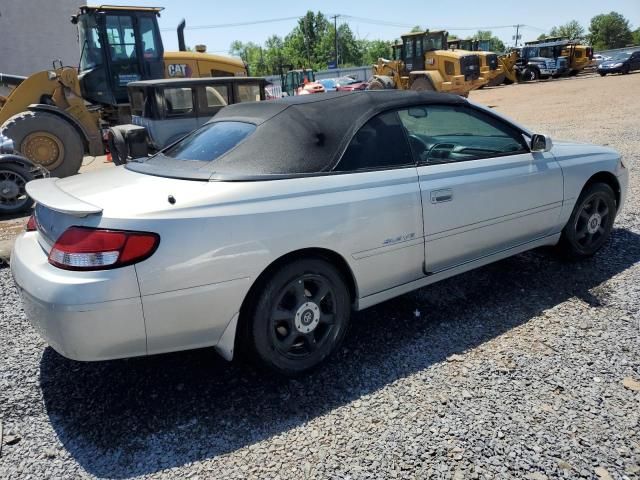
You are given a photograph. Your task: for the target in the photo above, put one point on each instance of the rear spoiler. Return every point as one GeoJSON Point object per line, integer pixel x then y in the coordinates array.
{"type": "Point", "coordinates": [45, 192]}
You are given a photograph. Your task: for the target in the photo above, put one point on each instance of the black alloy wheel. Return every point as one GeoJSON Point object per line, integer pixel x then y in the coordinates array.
{"type": "Point", "coordinates": [13, 195]}
{"type": "Point", "coordinates": [591, 221]}
{"type": "Point", "coordinates": [301, 316]}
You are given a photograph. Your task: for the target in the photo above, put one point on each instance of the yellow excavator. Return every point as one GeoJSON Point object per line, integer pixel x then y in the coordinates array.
{"type": "Point", "coordinates": [57, 116]}
{"type": "Point", "coordinates": [490, 67]}
{"type": "Point", "coordinates": [423, 62]}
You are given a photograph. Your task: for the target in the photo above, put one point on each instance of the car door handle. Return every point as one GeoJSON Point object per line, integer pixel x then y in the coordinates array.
{"type": "Point", "coordinates": [439, 196]}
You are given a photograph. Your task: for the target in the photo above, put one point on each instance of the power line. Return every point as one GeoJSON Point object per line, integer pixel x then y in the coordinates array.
{"type": "Point", "coordinates": [237, 24]}
{"type": "Point", "coordinates": [352, 17]}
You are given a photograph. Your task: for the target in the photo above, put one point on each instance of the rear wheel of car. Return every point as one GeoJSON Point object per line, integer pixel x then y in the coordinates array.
{"type": "Point", "coordinates": [603, 74]}
{"type": "Point", "coordinates": [301, 316]}
{"type": "Point", "coordinates": [13, 196]}
{"type": "Point", "coordinates": [591, 221]}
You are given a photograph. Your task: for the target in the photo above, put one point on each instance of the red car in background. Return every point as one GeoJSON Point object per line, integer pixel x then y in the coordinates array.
{"type": "Point", "coordinates": [348, 84]}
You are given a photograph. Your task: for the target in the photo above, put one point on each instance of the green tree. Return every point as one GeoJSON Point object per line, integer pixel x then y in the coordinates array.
{"type": "Point", "coordinates": [372, 50]}
{"type": "Point", "coordinates": [636, 36]}
{"type": "Point", "coordinates": [304, 45]}
{"type": "Point", "coordinates": [495, 44]}
{"type": "Point", "coordinates": [572, 30]}
{"type": "Point", "coordinates": [417, 28]}
{"type": "Point", "coordinates": [252, 55]}
{"type": "Point", "coordinates": [610, 30]}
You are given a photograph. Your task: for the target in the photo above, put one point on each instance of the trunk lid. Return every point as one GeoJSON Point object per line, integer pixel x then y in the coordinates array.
{"type": "Point", "coordinates": [46, 192]}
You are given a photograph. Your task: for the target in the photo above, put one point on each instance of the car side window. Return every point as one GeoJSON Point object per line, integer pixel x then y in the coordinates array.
{"type": "Point", "coordinates": [379, 144]}
{"type": "Point", "coordinates": [248, 93]}
{"type": "Point", "coordinates": [178, 101]}
{"type": "Point", "coordinates": [211, 98]}
{"type": "Point", "coordinates": [449, 133]}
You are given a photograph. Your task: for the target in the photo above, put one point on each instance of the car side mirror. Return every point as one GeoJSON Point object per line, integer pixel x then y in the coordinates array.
{"type": "Point", "coordinates": [541, 143]}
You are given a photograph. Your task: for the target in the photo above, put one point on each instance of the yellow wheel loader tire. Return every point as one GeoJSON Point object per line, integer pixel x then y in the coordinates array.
{"type": "Point", "coordinates": [375, 84]}
{"type": "Point", "coordinates": [422, 84]}
{"type": "Point", "coordinates": [48, 140]}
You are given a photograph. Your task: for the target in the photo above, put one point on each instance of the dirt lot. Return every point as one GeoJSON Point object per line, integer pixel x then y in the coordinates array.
{"type": "Point", "coordinates": [528, 368]}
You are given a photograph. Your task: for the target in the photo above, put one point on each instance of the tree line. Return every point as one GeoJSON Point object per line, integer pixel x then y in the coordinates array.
{"type": "Point", "coordinates": [312, 43]}
{"type": "Point", "coordinates": [606, 31]}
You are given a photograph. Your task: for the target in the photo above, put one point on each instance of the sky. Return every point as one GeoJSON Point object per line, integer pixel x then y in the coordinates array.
{"type": "Point", "coordinates": [462, 18]}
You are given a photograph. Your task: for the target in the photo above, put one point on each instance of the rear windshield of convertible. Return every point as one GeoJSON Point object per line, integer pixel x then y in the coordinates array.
{"type": "Point", "coordinates": [209, 142]}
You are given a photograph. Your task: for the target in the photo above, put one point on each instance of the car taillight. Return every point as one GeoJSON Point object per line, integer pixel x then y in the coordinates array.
{"type": "Point", "coordinates": [82, 248]}
{"type": "Point", "coordinates": [32, 226]}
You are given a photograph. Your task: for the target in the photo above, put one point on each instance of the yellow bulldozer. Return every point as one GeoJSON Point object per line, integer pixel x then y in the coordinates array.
{"type": "Point", "coordinates": [57, 116]}
{"type": "Point", "coordinates": [490, 67]}
{"type": "Point", "coordinates": [423, 62]}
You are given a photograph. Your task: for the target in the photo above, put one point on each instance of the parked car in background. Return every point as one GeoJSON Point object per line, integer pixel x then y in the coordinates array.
{"type": "Point", "coordinates": [351, 86]}
{"type": "Point", "coordinates": [162, 111]}
{"type": "Point", "coordinates": [621, 63]}
{"type": "Point", "coordinates": [598, 59]}
{"type": "Point", "coordinates": [329, 84]}
{"type": "Point", "coordinates": [342, 84]}
{"type": "Point", "coordinates": [264, 228]}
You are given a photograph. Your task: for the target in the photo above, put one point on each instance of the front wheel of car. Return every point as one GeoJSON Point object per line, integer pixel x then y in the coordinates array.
{"type": "Point", "coordinates": [591, 221]}
{"type": "Point", "coordinates": [603, 74]}
{"type": "Point", "coordinates": [301, 316]}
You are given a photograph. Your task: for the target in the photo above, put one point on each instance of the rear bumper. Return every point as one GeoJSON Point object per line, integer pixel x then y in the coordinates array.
{"type": "Point", "coordinates": [83, 315]}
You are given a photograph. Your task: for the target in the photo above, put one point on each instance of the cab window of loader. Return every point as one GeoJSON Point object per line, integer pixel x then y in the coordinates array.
{"type": "Point", "coordinates": [121, 37]}
{"type": "Point", "coordinates": [408, 48]}
{"type": "Point", "coordinates": [148, 35]}
{"type": "Point", "coordinates": [89, 44]}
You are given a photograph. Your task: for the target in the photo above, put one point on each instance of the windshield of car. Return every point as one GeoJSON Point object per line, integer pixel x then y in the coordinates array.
{"type": "Point", "coordinates": [621, 57]}
{"type": "Point", "coordinates": [346, 81]}
{"type": "Point", "coordinates": [209, 142]}
{"type": "Point", "coordinates": [328, 83]}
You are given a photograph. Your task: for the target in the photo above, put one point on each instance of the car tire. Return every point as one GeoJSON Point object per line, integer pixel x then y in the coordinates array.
{"type": "Point", "coordinates": [300, 317]}
{"type": "Point", "coordinates": [590, 223]}
{"type": "Point", "coordinates": [603, 74]}
{"type": "Point", "coordinates": [13, 196]}
{"type": "Point", "coordinates": [117, 146]}
{"type": "Point", "coordinates": [625, 70]}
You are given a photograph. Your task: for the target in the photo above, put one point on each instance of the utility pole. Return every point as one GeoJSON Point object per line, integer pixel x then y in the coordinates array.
{"type": "Point", "coordinates": [335, 39]}
{"type": "Point", "coordinates": [517, 31]}
{"type": "Point", "coordinates": [305, 34]}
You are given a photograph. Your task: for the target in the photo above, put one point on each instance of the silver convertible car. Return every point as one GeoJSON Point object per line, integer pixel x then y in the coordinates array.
{"type": "Point", "coordinates": [263, 229]}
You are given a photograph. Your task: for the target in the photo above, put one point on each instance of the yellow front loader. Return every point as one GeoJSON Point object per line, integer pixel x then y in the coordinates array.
{"type": "Point", "coordinates": [423, 62]}
{"type": "Point", "coordinates": [490, 67]}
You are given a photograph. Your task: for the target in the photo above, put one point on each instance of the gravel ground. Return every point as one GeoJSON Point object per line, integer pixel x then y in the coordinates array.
{"type": "Point", "coordinates": [526, 368]}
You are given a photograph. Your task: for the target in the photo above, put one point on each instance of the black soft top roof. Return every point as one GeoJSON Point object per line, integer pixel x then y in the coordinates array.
{"type": "Point", "coordinates": [307, 133]}
{"type": "Point", "coordinates": [298, 135]}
